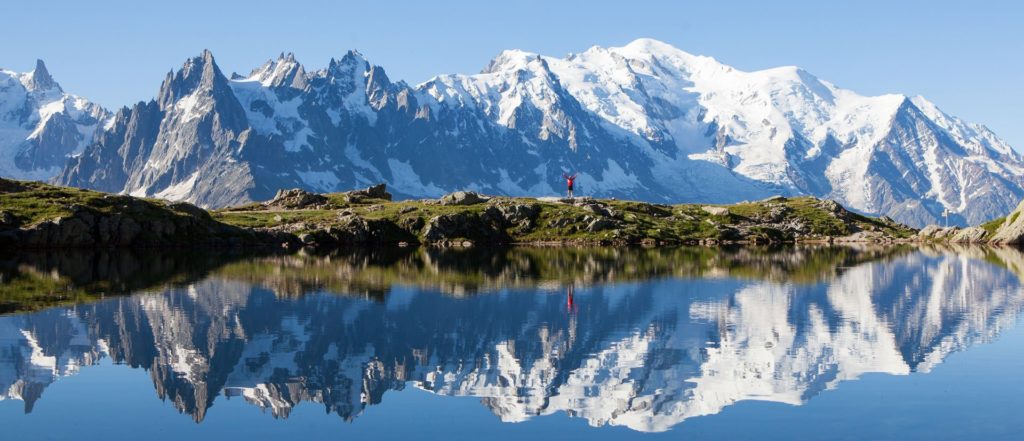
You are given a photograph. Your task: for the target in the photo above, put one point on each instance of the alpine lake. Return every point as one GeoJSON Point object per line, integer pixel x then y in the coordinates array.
{"type": "Point", "coordinates": [761, 343]}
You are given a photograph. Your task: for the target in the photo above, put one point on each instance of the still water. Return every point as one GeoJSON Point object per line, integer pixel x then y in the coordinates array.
{"type": "Point", "coordinates": [683, 343]}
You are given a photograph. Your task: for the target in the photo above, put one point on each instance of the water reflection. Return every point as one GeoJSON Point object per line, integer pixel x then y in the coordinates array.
{"type": "Point", "coordinates": [682, 332]}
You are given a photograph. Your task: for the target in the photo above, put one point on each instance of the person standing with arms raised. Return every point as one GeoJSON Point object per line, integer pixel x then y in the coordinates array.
{"type": "Point", "coordinates": [570, 180]}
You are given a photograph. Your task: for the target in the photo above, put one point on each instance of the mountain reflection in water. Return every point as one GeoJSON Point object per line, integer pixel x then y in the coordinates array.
{"type": "Point", "coordinates": [642, 338]}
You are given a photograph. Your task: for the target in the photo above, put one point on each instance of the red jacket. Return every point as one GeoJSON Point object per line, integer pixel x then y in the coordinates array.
{"type": "Point", "coordinates": [569, 180]}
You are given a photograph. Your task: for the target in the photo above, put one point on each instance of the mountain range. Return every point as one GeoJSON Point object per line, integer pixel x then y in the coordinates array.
{"type": "Point", "coordinates": [642, 121]}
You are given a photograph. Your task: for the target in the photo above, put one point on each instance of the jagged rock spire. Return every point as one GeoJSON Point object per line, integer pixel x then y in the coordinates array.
{"type": "Point", "coordinates": [197, 73]}
{"type": "Point", "coordinates": [40, 78]}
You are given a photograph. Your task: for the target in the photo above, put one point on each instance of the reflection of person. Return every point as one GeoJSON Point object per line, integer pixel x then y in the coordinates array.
{"type": "Point", "coordinates": [569, 292]}
{"type": "Point", "coordinates": [569, 181]}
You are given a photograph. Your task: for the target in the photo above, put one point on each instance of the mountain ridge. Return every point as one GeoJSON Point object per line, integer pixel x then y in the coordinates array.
{"type": "Point", "coordinates": [641, 121]}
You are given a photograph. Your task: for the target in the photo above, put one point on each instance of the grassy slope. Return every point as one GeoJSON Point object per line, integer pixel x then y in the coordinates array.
{"type": "Point", "coordinates": [35, 202]}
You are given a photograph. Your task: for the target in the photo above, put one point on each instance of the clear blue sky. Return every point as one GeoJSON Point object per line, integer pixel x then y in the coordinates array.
{"type": "Point", "coordinates": [964, 56]}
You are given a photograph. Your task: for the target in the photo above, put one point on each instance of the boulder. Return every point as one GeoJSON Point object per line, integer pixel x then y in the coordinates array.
{"type": "Point", "coordinates": [379, 191]}
{"type": "Point", "coordinates": [597, 209]}
{"type": "Point", "coordinates": [830, 206]}
{"type": "Point", "coordinates": [189, 209]}
{"type": "Point", "coordinates": [715, 211]}
{"type": "Point", "coordinates": [657, 210]}
{"type": "Point", "coordinates": [935, 232]}
{"type": "Point", "coordinates": [351, 229]}
{"type": "Point", "coordinates": [601, 224]}
{"type": "Point", "coordinates": [514, 214]}
{"type": "Point", "coordinates": [462, 198]}
{"type": "Point", "coordinates": [970, 235]}
{"type": "Point", "coordinates": [296, 198]}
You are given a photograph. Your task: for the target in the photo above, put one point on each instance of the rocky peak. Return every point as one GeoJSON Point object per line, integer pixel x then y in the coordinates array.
{"type": "Point", "coordinates": [40, 79]}
{"type": "Point", "coordinates": [197, 74]}
{"type": "Point", "coordinates": [352, 61]}
{"type": "Point", "coordinates": [378, 87]}
{"type": "Point", "coordinates": [285, 71]}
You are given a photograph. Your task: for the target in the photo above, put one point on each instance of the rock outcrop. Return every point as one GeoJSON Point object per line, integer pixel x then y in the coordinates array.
{"type": "Point", "coordinates": [296, 198]}
{"type": "Point", "coordinates": [462, 198]}
{"type": "Point", "coordinates": [379, 191]}
{"type": "Point", "coordinates": [937, 233]}
{"type": "Point", "coordinates": [1011, 232]}
{"type": "Point", "coordinates": [970, 235]}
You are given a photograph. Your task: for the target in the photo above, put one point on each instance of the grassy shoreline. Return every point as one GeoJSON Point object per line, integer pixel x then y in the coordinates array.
{"type": "Point", "coordinates": [34, 214]}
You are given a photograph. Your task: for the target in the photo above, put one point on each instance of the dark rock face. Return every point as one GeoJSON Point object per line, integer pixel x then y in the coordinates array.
{"type": "Point", "coordinates": [484, 228]}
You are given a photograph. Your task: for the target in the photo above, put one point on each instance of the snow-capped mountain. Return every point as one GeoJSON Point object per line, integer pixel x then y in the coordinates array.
{"type": "Point", "coordinates": [647, 356]}
{"type": "Point", "coordinates": [41, 126]}
{"type": "Point", "coordinates": [645, 121]}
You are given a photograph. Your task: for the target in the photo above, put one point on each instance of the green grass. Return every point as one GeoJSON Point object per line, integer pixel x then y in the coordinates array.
{"type": "Point", "coordinates": [35, 202]}
{"type": "Point", "coordinates": [991, 226]}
